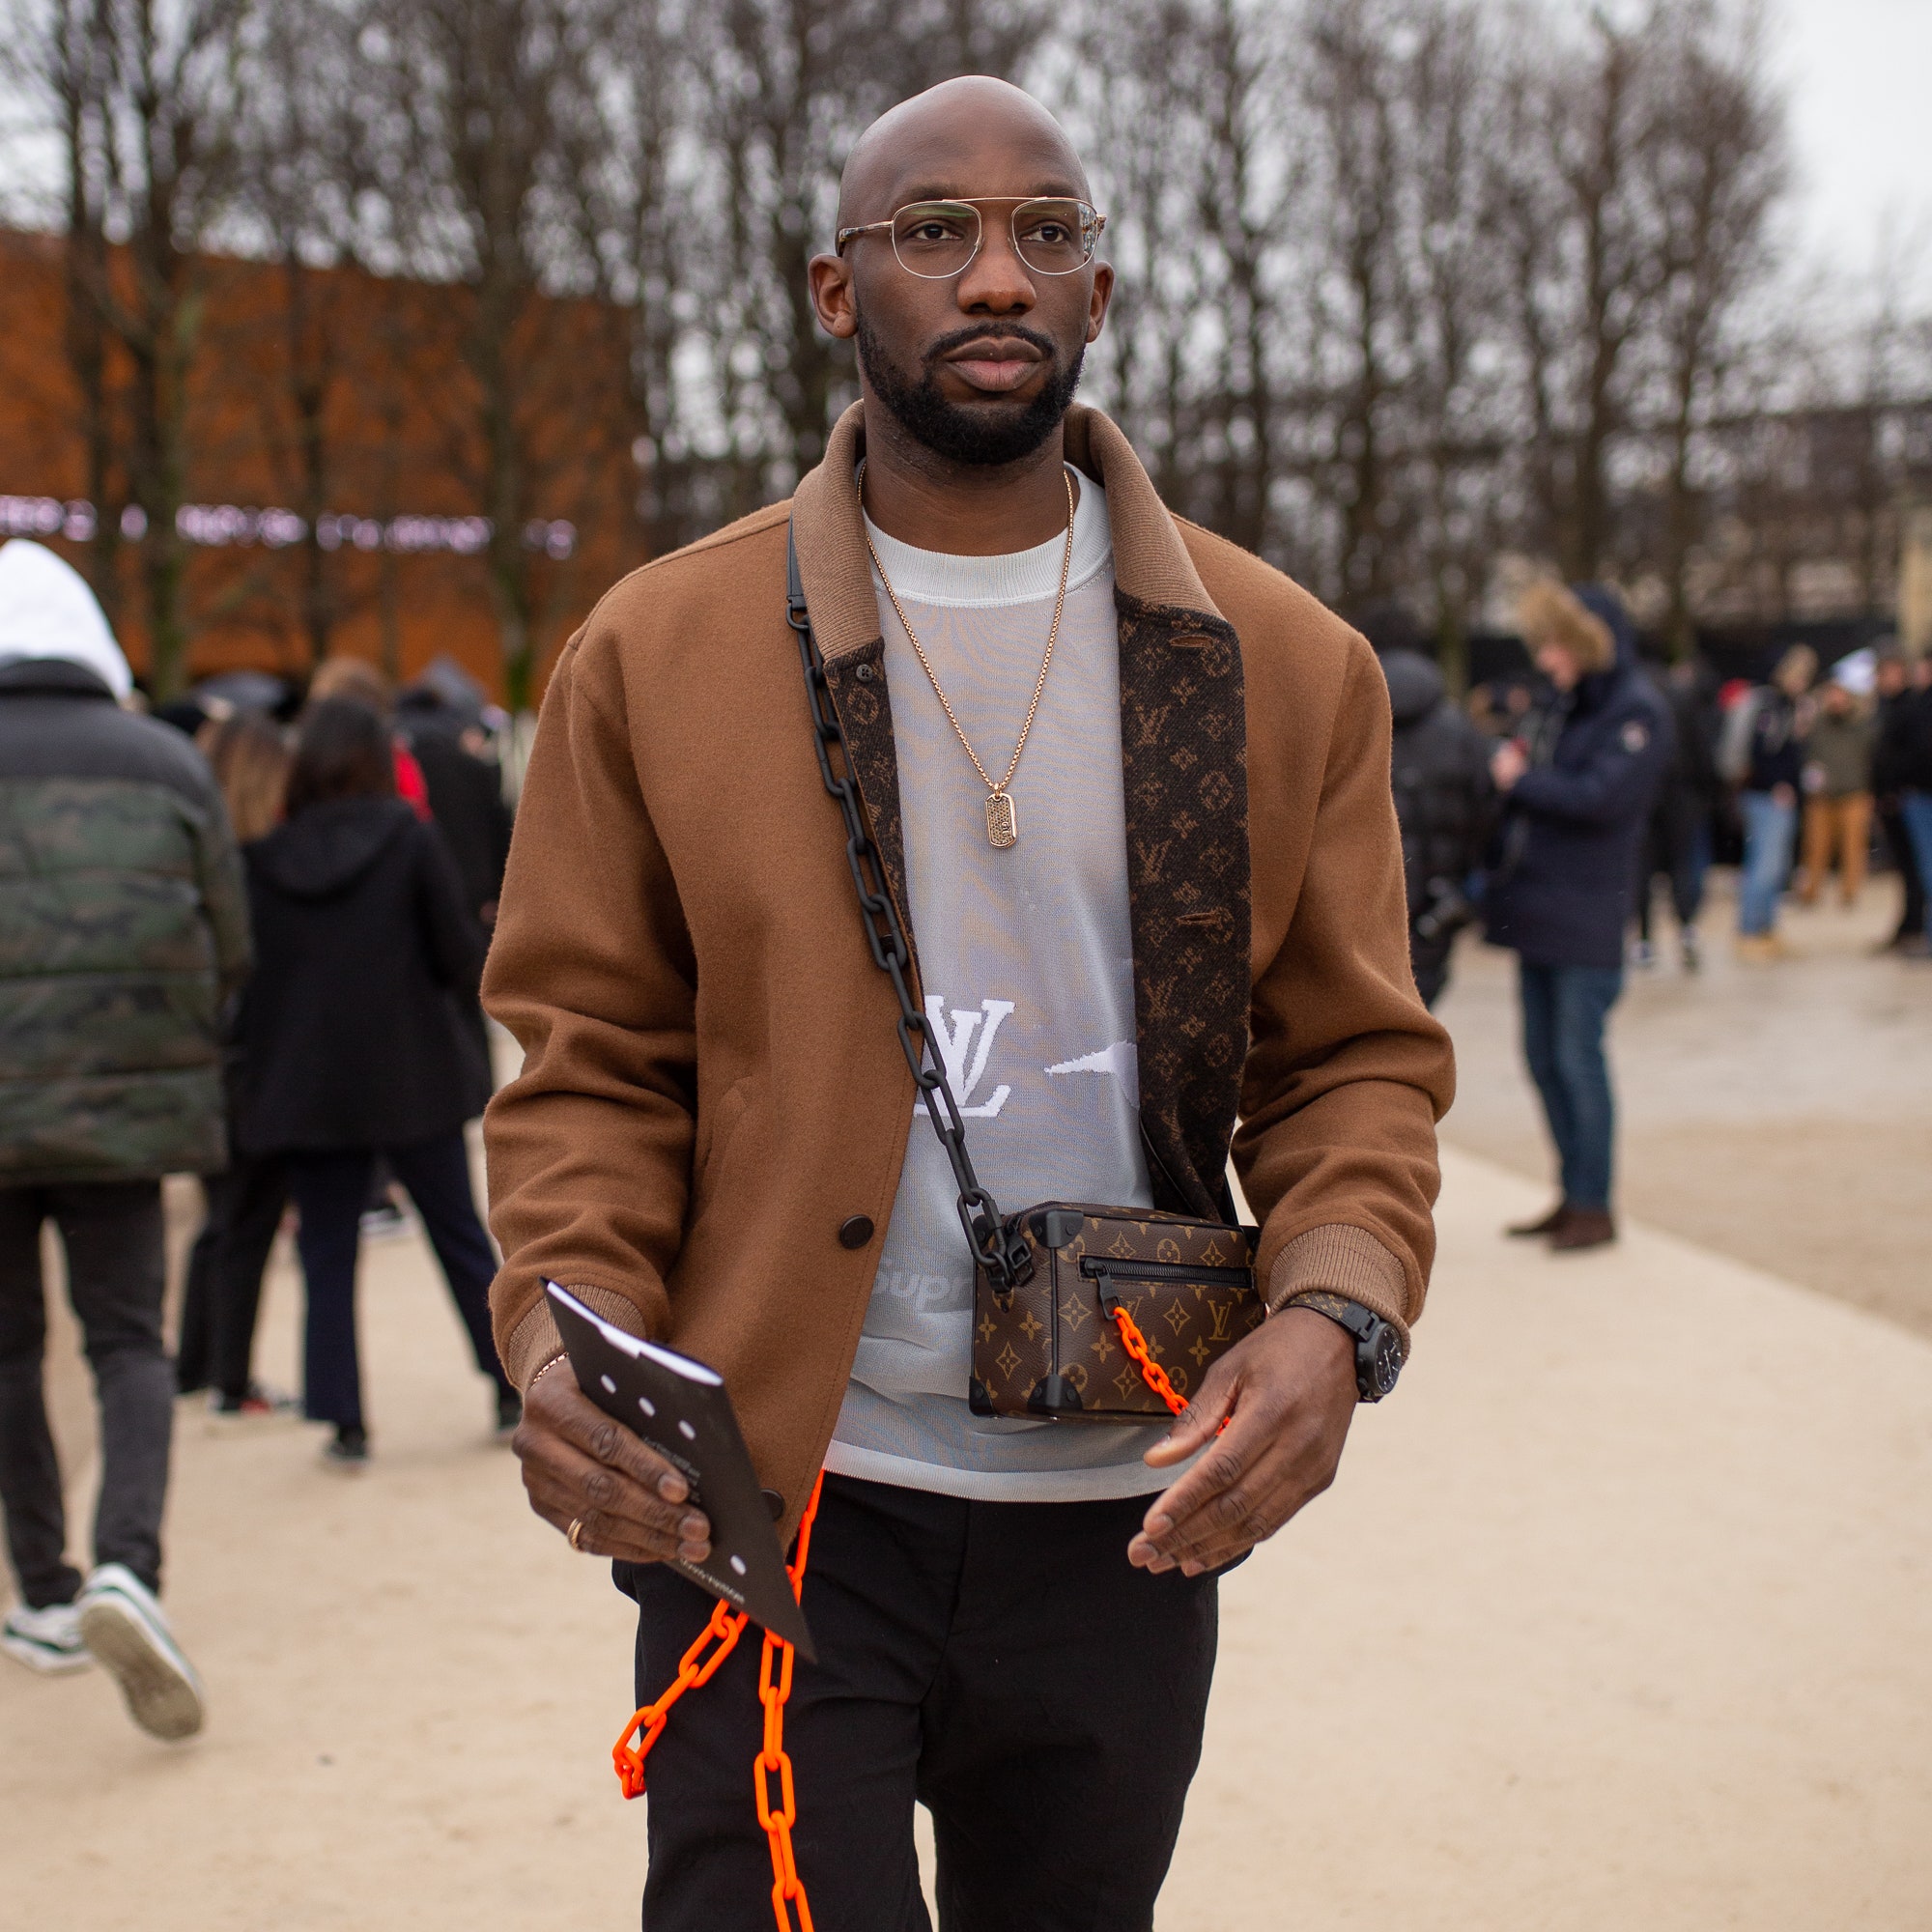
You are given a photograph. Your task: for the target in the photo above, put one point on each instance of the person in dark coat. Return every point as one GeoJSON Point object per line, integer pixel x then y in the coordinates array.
{"type": "Point", "coordinates": [123, 929]}
{"type": "Point", "coordinates": [1913, 773]}
{"type": "Point", "coordinates": [1677, 839]}
{"type": "Point", "coordinates": [1445, 804]}
{"type": "Point", "coordinates": [1891, 757]}
{"type": "Point", "coordinates": [351, 1040]}
{"type": "Point", "coordinates": [222, 1296]}
{"type": "Point", "coordinates": [1577, 786]}
{"type": "Point", "coordinates": [466, 790]}
{"type": "Point", "coordinates": [1762, 752]}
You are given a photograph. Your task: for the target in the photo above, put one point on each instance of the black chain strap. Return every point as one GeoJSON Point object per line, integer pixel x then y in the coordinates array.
{"type": "Point", "coordinates": [1001, 1251]}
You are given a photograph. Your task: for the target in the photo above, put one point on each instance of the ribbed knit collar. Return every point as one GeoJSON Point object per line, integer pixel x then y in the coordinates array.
{"type": "Point", "coordinates": [1019, 576]}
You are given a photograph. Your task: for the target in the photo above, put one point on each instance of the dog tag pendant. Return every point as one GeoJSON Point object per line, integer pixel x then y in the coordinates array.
{"type": "Point", "coordinates": [1003, 825]}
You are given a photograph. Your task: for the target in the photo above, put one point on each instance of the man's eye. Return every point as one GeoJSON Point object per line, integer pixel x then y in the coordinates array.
{"type": "Point", "coordinates": [1049, 234]}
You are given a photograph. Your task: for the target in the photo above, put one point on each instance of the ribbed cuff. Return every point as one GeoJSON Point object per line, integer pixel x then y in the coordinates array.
{"type": "Point", "coordinates": [1343, 1261]}
{"type": "Point", "coordinates": [534, 1343]}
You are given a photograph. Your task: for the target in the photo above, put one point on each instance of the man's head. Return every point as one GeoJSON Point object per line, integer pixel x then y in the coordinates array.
{"type": "Point", "coordinates": [1796, 669]}
{"type": "Point", "coordinates": [1566, 641]}
{"type": "Point", "coordinates": [977, 364]}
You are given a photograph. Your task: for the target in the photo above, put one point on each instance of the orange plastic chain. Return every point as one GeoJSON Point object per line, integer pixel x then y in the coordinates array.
{"type": "Point", "coordinates": [1151, 1372]}
{"type": "Point", "coordinates": [723, 1629]}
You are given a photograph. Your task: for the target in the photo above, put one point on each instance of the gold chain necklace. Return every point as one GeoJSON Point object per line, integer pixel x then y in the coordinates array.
{"type": "Point", "coordinates": [1003, 825]}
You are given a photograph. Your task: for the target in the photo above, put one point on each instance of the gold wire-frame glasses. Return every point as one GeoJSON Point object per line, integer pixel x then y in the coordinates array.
{"type": "Point", "coordinates": [1053, 235]}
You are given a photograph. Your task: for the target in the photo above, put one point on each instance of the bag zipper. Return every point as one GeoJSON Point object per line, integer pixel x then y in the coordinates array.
{"type": "Point", "coordinates": [1092, 1266]}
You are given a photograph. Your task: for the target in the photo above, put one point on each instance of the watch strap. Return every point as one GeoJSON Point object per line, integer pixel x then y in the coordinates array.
{"type": "Point", "coordinates": [1358, 1320]}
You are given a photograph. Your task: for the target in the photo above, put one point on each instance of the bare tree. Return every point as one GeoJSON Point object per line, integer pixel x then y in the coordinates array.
{"type": "Point", "coordinates": [141, 95]}
{"type": "Point", "coordinates": [475, 178]}
{"type": "Point", "coordinates": [1716, 167]}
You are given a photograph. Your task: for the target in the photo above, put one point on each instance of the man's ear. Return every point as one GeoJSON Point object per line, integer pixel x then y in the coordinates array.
{"type": "Point", "coordinates": [1097, 303]}
{"type": "Point", "coordinates": [830, 279]}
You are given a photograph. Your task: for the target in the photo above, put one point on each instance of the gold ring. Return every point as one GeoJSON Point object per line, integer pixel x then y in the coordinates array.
{"type": "Point", "coordinates": [574, 1531]}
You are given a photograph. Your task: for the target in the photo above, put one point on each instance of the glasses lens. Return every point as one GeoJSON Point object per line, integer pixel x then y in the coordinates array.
{"type": "Point", "coordinates": [936, 237]}
{"type": "Point", "coordinates": [1055, 237]}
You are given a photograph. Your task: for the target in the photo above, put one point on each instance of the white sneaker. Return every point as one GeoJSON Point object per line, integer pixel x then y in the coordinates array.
{"type": "Point", "coordinates": [124, 1627]}
{"type": "Point", "coordinates": [47, 1640]}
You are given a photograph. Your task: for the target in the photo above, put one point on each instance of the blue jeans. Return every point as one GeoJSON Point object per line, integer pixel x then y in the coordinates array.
{"type": "Point", "coordinates": [1768, 829]}
{"type": "Point", "coordinates": [1563, 1012]}
{"type": "Point", "coordinates": [1916, 807]}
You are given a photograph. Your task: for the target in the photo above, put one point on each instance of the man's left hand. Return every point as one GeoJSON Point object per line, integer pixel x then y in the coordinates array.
{"type": "Point", "coordinates": [1289, 1388]}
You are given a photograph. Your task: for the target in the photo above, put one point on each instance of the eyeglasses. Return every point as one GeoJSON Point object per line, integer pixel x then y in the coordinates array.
{"type": "Point", "coordinates": [934, 239]}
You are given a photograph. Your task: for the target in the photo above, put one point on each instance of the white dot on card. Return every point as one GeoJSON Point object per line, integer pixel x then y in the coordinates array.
{"type": "Point", "coordinates": [609, 1387]}
{"type": "Point", "coordinates": [688, 1434]}
{"type": "Point", "coordinates": [738, 1564]}
{"type": "Point", "coordinates": [647, 1405]}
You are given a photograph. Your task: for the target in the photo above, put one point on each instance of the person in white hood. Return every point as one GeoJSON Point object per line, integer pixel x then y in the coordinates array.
{"type": "Point", "coordinates": [123, 929]}
{"type": "Point", "coordinates": [47, 610]}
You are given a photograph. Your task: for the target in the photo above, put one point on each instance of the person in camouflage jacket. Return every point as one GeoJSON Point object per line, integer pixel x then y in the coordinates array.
{"type": "Point", "coordinates": [123, 931]}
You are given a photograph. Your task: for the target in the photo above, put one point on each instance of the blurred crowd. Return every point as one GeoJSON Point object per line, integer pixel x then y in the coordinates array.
{"type": "Point", "coordinates": [241, 939]}
{"type": "Point", "coordinates": [1557, 810]}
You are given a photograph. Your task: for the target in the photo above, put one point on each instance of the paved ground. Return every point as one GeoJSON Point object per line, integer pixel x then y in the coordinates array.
{"type": "Point", "coordinates": [1616, 1615]}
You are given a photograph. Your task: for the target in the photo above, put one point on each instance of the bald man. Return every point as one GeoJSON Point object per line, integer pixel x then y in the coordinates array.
{"type": "Point", "coordinates": [1129, 788]}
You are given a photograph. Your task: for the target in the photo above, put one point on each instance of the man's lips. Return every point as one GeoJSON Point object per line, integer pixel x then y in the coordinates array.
{"type": "Point", "coordinates": [996, 366]}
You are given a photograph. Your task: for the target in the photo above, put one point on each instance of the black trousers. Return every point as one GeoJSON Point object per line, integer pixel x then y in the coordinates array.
{"type": "Point", "coordinates": [224, 1275]}
{"type": "Point", "coordinates": [1001, 1662]}
{"type": "Point", "coordinates": [116, 1272]}
{"type": "Point", "coordinates": [331, 1190]}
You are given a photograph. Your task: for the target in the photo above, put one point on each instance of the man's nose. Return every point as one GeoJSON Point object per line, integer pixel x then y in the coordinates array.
{"type": "Point", "coordinates": [995, 282]}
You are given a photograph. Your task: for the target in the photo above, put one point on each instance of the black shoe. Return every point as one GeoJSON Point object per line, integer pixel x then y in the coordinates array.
{"type": "Point", "coordinates": [509, 1412]}
{"type": "Point", "coordinates": [349, 1449]}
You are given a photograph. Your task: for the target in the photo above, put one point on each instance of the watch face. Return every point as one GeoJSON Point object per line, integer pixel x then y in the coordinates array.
{"type": "Point", "coordinates": [1386, 1364]}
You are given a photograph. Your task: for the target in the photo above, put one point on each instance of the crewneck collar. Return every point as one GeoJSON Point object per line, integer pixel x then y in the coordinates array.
{"type": "Point", "coordinates": [1019, 576]}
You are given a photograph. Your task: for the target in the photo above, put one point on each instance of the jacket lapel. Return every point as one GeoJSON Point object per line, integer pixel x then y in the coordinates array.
{"type": "Point", "coordinates": [1183, 741]}
{"type": "Point", "coordinates": [1184, 736]}
{"type": "Point", "coordinates": [838, 574]}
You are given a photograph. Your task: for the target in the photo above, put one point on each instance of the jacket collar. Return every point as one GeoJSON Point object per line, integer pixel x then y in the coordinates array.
{"type": "Point", "coordinates": [1183, 739]}
{"type": "Point", "coordinates": [1150, 564]}
{"type": "Point", "coordinates": [50, 677]}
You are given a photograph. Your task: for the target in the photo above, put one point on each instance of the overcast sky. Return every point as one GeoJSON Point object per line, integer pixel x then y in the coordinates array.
{"type": "Point", "coordinates": [1860, 75]}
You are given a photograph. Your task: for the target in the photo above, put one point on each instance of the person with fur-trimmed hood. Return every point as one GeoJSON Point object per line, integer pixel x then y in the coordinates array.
{"type": "Point", "coordinates": [1577, 783]}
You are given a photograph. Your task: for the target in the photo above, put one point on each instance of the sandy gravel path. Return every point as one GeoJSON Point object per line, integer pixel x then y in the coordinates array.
{"type": "Point", "coordinates": [1618, 1615]}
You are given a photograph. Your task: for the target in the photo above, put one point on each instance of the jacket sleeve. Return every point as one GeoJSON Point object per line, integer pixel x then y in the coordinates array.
{"type": "Point", "coordinates": [1615, 784]}
{"type": "Point", "coordinates": [450, 930]}
{"type": "Point", "coordinates": [591, 969]}
{"type": "Point", "coordinates": [1347, 1073]}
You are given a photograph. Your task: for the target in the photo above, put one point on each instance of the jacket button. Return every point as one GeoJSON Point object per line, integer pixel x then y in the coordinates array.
{"type": "Point", "coordinates": [855, 1233]}
{"type": "Point", "coordinates": [774, 1502]}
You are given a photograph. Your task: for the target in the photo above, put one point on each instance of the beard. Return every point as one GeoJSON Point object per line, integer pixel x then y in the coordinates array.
{"type": "Point", "coordinates": [982, 437]}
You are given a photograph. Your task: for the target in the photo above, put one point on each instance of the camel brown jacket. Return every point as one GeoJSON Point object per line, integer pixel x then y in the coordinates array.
{"type": "Point", "coordinates": [706, 1136]}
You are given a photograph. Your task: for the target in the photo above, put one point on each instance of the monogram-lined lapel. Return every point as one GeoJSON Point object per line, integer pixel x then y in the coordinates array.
{"type": "Point", "coordinates": [1184, 745]}
{"type": "Point", "coordinates": [1184, 737]}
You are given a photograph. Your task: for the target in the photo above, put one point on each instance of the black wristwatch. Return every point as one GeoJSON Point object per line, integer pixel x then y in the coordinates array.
{"type": "Point", "coordinates": [1378, 1356]}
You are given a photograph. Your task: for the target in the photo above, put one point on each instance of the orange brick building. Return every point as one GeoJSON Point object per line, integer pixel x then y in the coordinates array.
{"type": "Point", "coordinates": [367, 535]}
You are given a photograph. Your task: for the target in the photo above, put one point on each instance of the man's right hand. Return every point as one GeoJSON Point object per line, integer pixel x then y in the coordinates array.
{"type": "Point", "coordinates": [581, 1468]}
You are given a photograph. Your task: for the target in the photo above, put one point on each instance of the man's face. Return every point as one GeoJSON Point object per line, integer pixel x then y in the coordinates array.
{"type": "Point", "coordinates": [977, 367]}
{"type": "Point", "coordinates": [1558, 664]}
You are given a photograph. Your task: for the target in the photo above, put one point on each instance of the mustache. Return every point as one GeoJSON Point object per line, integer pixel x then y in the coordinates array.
{"type": "Point", "coordinates": [997, 331]}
